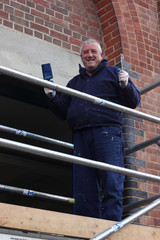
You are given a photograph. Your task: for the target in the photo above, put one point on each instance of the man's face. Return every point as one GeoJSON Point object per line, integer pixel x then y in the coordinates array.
{"type": "Point", "coordinates": [91, 56]}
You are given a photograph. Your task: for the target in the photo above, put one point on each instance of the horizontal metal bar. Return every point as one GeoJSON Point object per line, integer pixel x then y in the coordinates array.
{"type": "Point", "coordinates": [35, 136]}
{"type": "Point", "coordinates": [150, 87]}
{"type": "Point", "coordinates": [25, 148]}
{"type": "Point", "coordinates": [141, 145]}
{"type": "Point", "coordinates": [126, 221]}
{"type": "Point", "coordinates": [140, 203]}
{"type": "Point", "coordinates": [32, 193]}
{"type": "Point", "coordinates": [72, 92]}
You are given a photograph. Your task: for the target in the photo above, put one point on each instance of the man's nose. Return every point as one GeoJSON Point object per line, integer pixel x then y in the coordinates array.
{"type": "Point", "coordinates": [90, 54]}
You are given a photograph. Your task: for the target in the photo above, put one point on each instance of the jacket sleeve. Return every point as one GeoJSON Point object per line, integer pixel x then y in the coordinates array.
{"type": "Point", "coordinates": [59, 105]}
{"type": "Point", "coordinates": [130, 96]}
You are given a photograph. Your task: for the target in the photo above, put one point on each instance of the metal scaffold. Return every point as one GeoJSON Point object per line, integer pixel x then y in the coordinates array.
{"type": "Point", "coordinates": [50, 154]}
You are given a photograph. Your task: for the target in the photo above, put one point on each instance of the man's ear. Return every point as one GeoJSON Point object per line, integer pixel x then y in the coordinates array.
{"type": "Point", "coordinates": [102, 54]}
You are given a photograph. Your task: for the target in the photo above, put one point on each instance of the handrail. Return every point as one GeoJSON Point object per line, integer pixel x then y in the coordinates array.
{"type": "Point", "coordinates": [145, 89]}
{"type": "Point", "coordinates": [38, 151]}
{"type": "Point", "coordinates": [35, 136]}
{"type": "Point", "coordinates": [32, 193]}
{"type": "Point", "coordinates": [142, 145]}
{"type": "Point", "coordinates": [150, 87]}
{"type": "Point", "coordinates": [140, 203]}
{"type": "Point", "coordinates": [87, 162]}
{"type": "Point", "coordinates": [72, 92]}
{"type": "Point", "coordinates": [116, 227]}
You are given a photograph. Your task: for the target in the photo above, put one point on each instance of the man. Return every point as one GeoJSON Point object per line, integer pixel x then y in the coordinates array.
{"type": "Point", "coordinates": [97, 131]}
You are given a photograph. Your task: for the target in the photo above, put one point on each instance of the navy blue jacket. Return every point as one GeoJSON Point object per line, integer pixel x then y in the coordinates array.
{"type": "Point", "coordinates": [103, 83]}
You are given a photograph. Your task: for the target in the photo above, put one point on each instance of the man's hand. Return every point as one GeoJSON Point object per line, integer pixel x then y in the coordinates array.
{"type": "Point", "coordinates": [123, 78]}
{"type": "Point", "coordinates": [49, 92]}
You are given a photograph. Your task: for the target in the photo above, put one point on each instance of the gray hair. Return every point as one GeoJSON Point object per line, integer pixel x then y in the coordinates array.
{"type": "Point", "coordinates": [91, 41]}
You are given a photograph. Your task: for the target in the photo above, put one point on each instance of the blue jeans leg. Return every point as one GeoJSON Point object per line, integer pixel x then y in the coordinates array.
{"type": "Point", "coordinates": [99, 193]}
{"type": "Point", "coordinates": [85, 184]}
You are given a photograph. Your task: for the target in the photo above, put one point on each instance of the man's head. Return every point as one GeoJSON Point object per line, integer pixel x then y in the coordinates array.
{"type": "Point", "coordinates": [91, 54]}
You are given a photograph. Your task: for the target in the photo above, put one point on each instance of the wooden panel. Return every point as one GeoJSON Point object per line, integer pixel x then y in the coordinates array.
{"type": "Point", "coordinates": [29, 219]}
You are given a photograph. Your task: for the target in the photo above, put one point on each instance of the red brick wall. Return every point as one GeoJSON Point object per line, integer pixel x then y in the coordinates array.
{"type": "Point", "coordinates": [130, 27]}
{"type": "Point", "coordinates": [64, 23]}
{"type": "Point", "coordinates": [134, 31]}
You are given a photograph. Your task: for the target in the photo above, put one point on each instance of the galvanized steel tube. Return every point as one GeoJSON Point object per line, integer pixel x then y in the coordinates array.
{"type": "Point", "coordinates": [32, 193]}
{"type": "Point", "coordinates": [25, 148]}
{"type": "Point", "coordinates": [126, 221]}
{"type": "Point", "coordinates": [35, 136]}
{"type": "Point", "coordinates": [72, 92]}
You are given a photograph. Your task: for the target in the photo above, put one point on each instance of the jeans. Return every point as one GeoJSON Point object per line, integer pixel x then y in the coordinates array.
{"type": "Point", "coordinates": [98, 193]}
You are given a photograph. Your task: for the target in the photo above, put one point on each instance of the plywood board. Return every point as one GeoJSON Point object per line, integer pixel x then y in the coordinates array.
{"type": "Point", "coordinates": [30, 219]}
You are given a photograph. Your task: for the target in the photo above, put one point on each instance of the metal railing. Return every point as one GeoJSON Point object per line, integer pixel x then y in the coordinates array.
{"type": "Point", "coordinates": [116, 227]}
{"type": "Point", "coordinates": [150, 87]}
{"type": "Point", "coordinates": [72, 92]}
{"type": "Point", "coordinates": [87, 162]}
{"type": "Point", "coordinates": [142, 145]}
{"type": "Point", "coordinates": [26, 148]}
{"type": "Point", "coordinates": [32, 193]}
{"type": "Point", "coordinates": [95, 100]}
{"type": "Point", "coordinates": [30, 135]}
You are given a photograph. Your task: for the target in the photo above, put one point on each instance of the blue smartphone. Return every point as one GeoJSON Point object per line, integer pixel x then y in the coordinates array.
{"type": "Point", "coordinates": [47, 71]}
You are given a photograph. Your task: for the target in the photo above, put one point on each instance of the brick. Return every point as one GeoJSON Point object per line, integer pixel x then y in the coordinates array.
{"type": "Point", "coordinates": [9, 9]}
{"type": "Point", "coordinates": [19, 20]}
{"type": "Point", "coordinates": [5, 1]}
{"type": "Point", "coordinates": [155, 213]}
{"type": "Point", "coordinates": [66, 45]}
{"type": "Point", "coordinates": [39, 28]}
{"type": "Point", "coordinates": [58, 9]}
{"type": "Point", "coordinates": [30, 4]}
{"type": "Point", "coordinates": [136, 193]}
{"type": "Point", "coordinates": [77, 17]}
{"type": "Point", "coordinates": [68, 7]}
{"type": "Point", "coordinates": [129, 122]}
{"type": "Point", "coordinates": [47, 38]}
{"type": "Point", "coordinates": [77, 23]}
{"type": "Point", "coordinates": [38, 35]}
{"type": "Point", "coordinates": [3, 14]}
{"type": "Point", "coordinates": [75, 41]}
{"type": "Point", "coordinates": [130, 184]}
{"type": "Point", "coordinates": [102, 4]}
{"type": "Point", "coordinates": [142, 3]}
{"type": "Point", "coordinates": [28, 31]}
{"type": "Point", "coordinates": [29, 17]}
{"type": "Point", "coordinates": [129, 137]}
{"type": "Point", "coordinates": [42, 2]}
{"type": "Point", "coordinates": [8, 24]}
{"type": "Point", "coordinates": [19, 13]}
{"type": "Point", "coordinates": [101, 12]}
{"type": "Point", "coordinates": [18, 27]}
{"type": "Point", "coordinates": [59, 35]}
{"type": "Point", "coordinates": [114, 54]}
{"type": "Point", "coordinates": [76, 29]}
{"type": "Point", "coordinates": [21, 1]}
{"type": "Point", "coordinates": [20, 6]}
{"type": "Point", "coordinates": [75, 49]}
{"type": "Point", "coordinates": [39, 14]}
{"type": "Point", "coordinates": [93, 24]}
{"type": "Point", "coordinates": [40, 8]}
{"type": "Point", "coordinates": [57, 42]}
{"type": "Point", "coordinates": [135, 161]}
